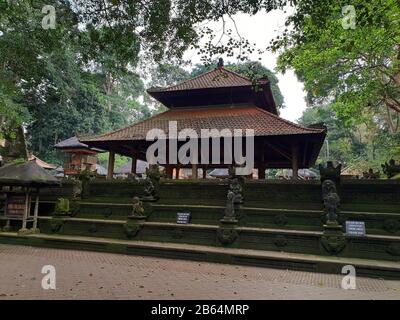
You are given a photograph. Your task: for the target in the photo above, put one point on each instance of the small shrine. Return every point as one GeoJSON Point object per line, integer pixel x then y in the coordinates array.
{"type": "Point", "coordinates": [21, 182]}
{"type": "Point", "coordinates": [78, 156]}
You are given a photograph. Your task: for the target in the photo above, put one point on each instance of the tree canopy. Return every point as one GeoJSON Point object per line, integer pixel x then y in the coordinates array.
{"type": "Point", "coordinates": [69, 66]}
{"type": "Point", "coordinates": [67, 80]}
{"type": "Point", "coordinates": [348, 57]}
{"type": "Point", "coordinates": [364, 145]}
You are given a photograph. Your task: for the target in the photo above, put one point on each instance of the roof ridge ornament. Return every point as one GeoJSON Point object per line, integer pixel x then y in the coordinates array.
{"type": "Point", "coordinates": [220, 63]}
{"type": "Point", "coordinates": [263, 80]}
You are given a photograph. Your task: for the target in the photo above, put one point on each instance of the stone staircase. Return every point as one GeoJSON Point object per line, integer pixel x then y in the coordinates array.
{"type": "Point", "coordinates": [279, 224]}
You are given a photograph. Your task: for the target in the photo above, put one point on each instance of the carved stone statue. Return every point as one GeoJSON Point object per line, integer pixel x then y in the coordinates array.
{"type": "Point", "coordinates": [331, 205]}
{"type": "Point", "coordinates": [77, 189]}
{"type": "Point", "coordinates": [370, 174]}
{"type": "Point", "coordinates": [135, 220]}
{"type": "Point", "coordinates": [236, 187]}
{"type": "Point", "coordinates": [149, 189]}
{"type": "Point", "coordinates": [231, 172]}
{"type": "Point", "coordinates": [328, 186]}
{"type": "Point", "coordinates": [331, 201]}
{"type": "Point", "coordinates": [152, 182]}
{"type": "Point", "coordinates": [391, 168]}
{"type": "Point", "coordinates": [153, 173]}
{"type": "Point", "coordinates": [330, 171]}
{"type": "Point", "coordinates": [137, 208]}
{"type": "Point", "coordinates": [227, 232]}
{"type": "Point", "coordinates": [230, 206]}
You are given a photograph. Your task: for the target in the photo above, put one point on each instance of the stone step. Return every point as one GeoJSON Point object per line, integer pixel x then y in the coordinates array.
{"type": "Point", "coordinates": [215, 227]}
{"type": "Point", "coordinates": [295, 219]}
{"type": "Point", "coordinates": [283, 260]}
{"type": "Point", "coordinates": [381, 247]}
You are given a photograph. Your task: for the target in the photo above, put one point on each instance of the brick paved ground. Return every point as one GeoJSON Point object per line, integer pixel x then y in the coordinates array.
{"type": "Point", "coordinates": [91, 275]}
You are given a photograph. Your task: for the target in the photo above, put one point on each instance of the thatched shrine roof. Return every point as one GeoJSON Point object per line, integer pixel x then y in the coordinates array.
{"type": "Point", "coordinates": [27, 174]}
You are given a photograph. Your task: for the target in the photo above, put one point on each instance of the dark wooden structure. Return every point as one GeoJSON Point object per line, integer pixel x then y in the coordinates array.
{"type": "Point", "coordinates": [220, 99]}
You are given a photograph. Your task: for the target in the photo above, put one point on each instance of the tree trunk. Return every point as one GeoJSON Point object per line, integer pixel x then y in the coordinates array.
{"type": "Point", "coordinates": [392, 126]}
{"type": "Point", "coordinates": [108, 88]}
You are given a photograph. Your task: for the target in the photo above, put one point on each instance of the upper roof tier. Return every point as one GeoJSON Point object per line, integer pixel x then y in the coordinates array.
{"type": "Point", "coordinates": [219, 86]}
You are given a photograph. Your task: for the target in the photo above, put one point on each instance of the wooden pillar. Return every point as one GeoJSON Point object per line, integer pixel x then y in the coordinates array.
{"type": "Point", "coordinates": [134, 164]}
{"type": "Point", "coordinates": [295, 162]}
{"type": "Point", "coordinates": [169, 170]}
{"type": "Point", "coordinates": [177, 173]}
{"type": "Point", "coordinates": [262, 166]}
{"type": "Point", "coordinates": [26, 213]}
{"type": "Point", "coordinates": [204, 173]}
{"type": "Point", "coordinates": [29, 205]}
{"type": "Point", "coordinates": [36, 213]}
{"type": "Point", "coordinates": [194, 171]}
{"type": "Point", "coordinates": [111, 161]}
{"type": "Point", "coordinates": [261, 173]}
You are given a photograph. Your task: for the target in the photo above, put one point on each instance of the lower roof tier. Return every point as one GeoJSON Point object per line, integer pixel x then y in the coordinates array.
{"type": "Point", "coordinates": [271, 131]}
{"type": "Point", "coordinates": [262, 122]}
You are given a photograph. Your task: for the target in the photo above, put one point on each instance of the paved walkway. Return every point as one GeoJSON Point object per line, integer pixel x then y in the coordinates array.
{"type": "Point", "coordinates": [92, 275]}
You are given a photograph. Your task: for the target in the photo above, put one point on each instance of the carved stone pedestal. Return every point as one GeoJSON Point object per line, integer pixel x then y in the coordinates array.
{"type": "Point", "coordinates": [228, 222]}
{"type": "Point", "coordinates": [7, 227]}
{"type": "Point", "coordinates": [35, 230]}
{"type": "Point", "coordinates": [56, 223]}
{"type": "Point", "coordinates": [23, 231]}
{"type": "Point", "coordinates": [227, 232]}
{"type": "Point", "coordinates": [133, 225]}
{"type": "Point", "coordinates": [149, 198]}
{"type": "Point", "coordinates": [137, 219]}
{"type": "Point", "coordinates": [333, 240]}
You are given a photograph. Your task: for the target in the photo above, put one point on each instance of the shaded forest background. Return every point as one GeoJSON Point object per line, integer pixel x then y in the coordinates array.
{"type": "Point", "coordinates": [88, 75]}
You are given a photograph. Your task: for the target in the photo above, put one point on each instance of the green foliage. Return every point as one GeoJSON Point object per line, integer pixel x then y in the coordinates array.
{"type": "Point", "coordinates": [19, 161]}
{"type": "Point", "coordinates": [102, 159]}
{"type": "Point", "coordinates": [167, 74]}
{"type": "Point", "coordinates": [255, 70]}
{"type": "Point", "coordinates": [362, 146]}
{"type": "Point", "coordinates": [351, 75]}
{"type": "Point", "coordinates": [79, 78]}
{"type": "Point", "coordinates": [165, 28]}
{"type": "Point", "coordinates": [65, 81]}
{"type": "Point", "coordinates": [57, 82]}
{"type": "Point", "coordinates": [86, 175]}
{"type": "Point", "coordinates": [356, 69]}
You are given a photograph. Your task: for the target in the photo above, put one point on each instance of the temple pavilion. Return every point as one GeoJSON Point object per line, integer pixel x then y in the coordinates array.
{"type": "Point", "coordinates": [219, 99]}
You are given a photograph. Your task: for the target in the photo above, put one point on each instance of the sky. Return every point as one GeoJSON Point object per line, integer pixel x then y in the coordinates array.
{"type": "Point", "coordinates": [260, 29]}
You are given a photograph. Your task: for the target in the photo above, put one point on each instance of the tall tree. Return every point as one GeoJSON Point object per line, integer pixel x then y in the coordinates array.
{"type": "Point", "coordinates": [59, 82]}
{"type": "Point", "coordinates": [347, 55]}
